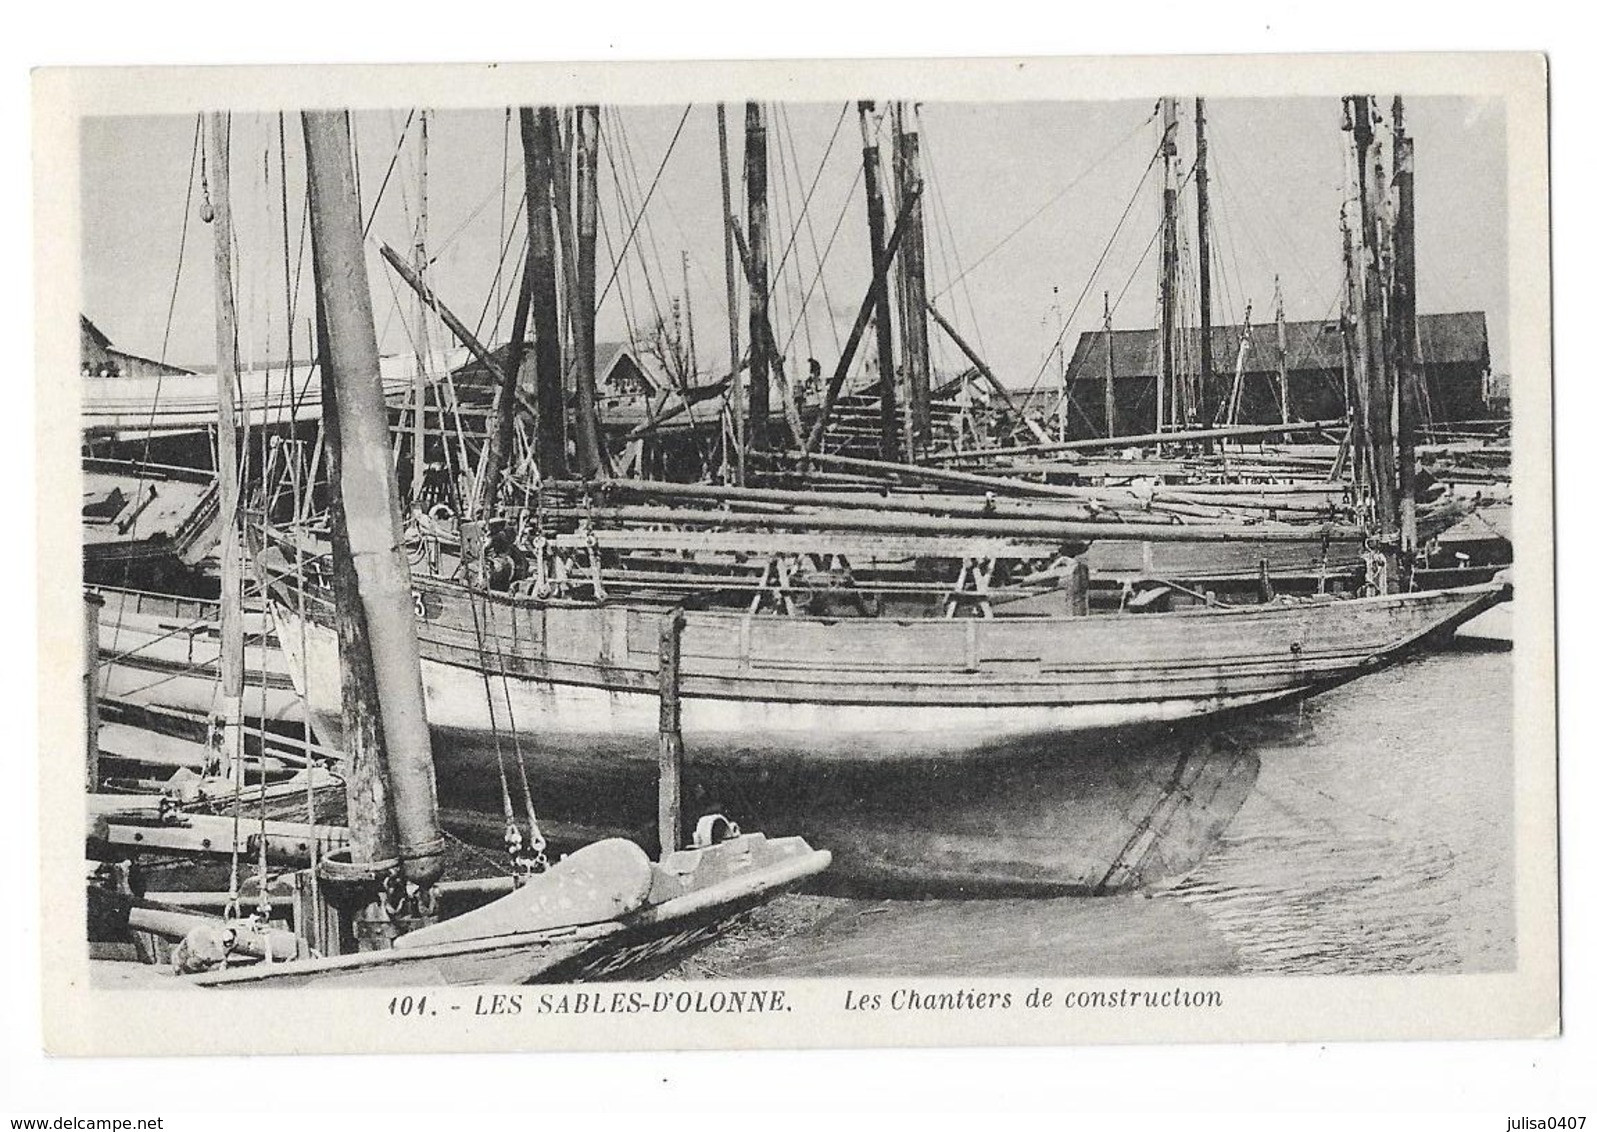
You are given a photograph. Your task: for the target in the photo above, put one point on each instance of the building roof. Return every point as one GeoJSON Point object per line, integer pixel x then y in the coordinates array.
{"type": "Point", "coordinates": [606, 356]}
{"type": "Point", "coordinates": [98, 336]}
{"type": "Point", "coordinates": [1445, 339]}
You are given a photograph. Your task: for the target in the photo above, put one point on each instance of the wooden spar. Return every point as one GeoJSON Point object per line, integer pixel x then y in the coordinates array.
{"type": "Point", "coordinates": [501, 434]}
{"type": "Point", "coordinates": [562, 143]}
{"type": "Point", "coordinates": [687, 310]}
{"type": "Point", "coordinates": [760, 324]}
{"type": "Point", "coordinates": [754, 172]}
{"type": "Point", "coordinates": [466, 338]}
{"type": "Point", "coordinates": [986, 372]}
{"type": "Point", "coordinates": [670, 808]}
{"type": "Point", "coordinates": [1164, 394]}
{"type": "Point", "coordinates": [1200, 174]}
{"type": "Point", "coordinates": [228, 722]}
{"type": "Point", "coordinates": [1372, 333]}
{"type": "Point", "coordinates": [536, 136]}
{"type": "Point", "coordinates": [418, 461]}
{"type": "Point", "coordinates": [1239, 432]}
{"type": "Point", "coordinates": [1352, 378]}
{"type": "Point", "coordinates": [942, 525]}
{"type": "Point", "coordinates": [912, 281]}
{"type": "Point", "coordinates": [1403, 313]}
{"type": "Point", "coordinates": [875, 303]}
{"type": "Point", "coordinates": [963, 507]}
{"type": "Point", "coordinates": [590, 447]}
{"type": "Point", "coordinates": [1244, 344]}
{"type": "Point", "coordinates": [876, 220]}
{"type": "Point", "coordinates": [997, 485]}
{"type": "Point", "coordinates": [1109, 370]}
{"type": "Point", "coordinates": [368, 797]}
{"type": "Point", "coordinates": [92, 604]}
{"type": "Point", "coordinates": [368, 492]}
{"type": "Point", "coordinates": [734, 354]}
{"type": "Point", "coordinates": [1280, 352]}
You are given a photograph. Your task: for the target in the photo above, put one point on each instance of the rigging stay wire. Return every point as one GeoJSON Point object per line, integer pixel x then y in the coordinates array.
{"type": "Point", "coordinates": [195, 164]}
{"type": "Point", "coordinates": [781, 121]}
{"type": "Point", "coordinates": [837, 227]}
{"type": "Point", "coordinates": [1050, 202]}
{"type": "Point", "coordinates": [645, 223]}
{"type": "Point", "coordinates": [805, 215]}
{"type": "Point", "coordinates": [781, 283]}
{"type": "Point", "coordinates": [940, 212]}
{"type": "Point", "coordinates": [1113, 236]}
{"type": "Point", "coordinates": [394, 160]}
{"type": "Point", "coordinates": [634, 220]}
{"type": "Point", "coordinates": [632, 233]}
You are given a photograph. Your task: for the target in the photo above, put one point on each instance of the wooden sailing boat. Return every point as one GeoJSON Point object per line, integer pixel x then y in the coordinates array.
{"type": "Point", "coordinates": [875, 701]}
{"type": "Point", "coordinates": [600, 912]}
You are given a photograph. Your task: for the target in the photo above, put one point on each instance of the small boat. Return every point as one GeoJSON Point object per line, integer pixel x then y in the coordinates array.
{"type": "Point", "coordinates": [162, 651]}
{"type": "Point", "coordinates": [136, 408]}
{"type": "Point", "coordinates": [604, 912]}
{"type": "Point", "coordinates": [147, 516]}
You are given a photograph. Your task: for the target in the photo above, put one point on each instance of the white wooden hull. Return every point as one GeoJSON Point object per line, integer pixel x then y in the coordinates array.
{"type": "Point", "coordinates": [1039, 754]}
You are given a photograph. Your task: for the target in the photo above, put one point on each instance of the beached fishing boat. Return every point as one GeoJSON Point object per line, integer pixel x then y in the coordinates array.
{"type": "Point", "coordinates": [606, 909]}
{"type": "Point", "coordinates": [146, 516]}
{"type": "Point", "coordinates": [136, 408]}
{"type": "Point", "coordinates": [835, 726]}
{"type": "Point", "coordinates": [162, 651]}
{"type": "Point", "coordinates": [760, 691]}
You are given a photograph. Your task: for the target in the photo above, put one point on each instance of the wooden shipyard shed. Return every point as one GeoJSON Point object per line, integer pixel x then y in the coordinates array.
{"type": "Point", "coordinates": [1455, 359]}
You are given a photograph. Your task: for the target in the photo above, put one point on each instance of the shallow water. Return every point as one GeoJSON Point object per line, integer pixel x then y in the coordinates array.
{"type": "Point", "coordinates": [1378, 838]}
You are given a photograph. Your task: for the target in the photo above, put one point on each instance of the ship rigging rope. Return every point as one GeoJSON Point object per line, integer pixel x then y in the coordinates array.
{"type": "Point", "coordinates": [627, 243]}
{"type": "Point", "coordinates": [826, 254]}
{"type": "Point", "coordinates": [804, 214]}
{"type": "Point", "coordinates": [399, 147]}
{"type": "Point", "coordinates": [943, 229]}
{"type": "Point", "coordinates": [195, 151]}
{"type": "Point", "coordinates": [1113, 236]}
{"type": "Point", "coordinates": [513, 842]}
{"type": "Point", "coordinates": [1051, 201]}
{"type": "Point", "coordinates": [639, 221]}
{"type": "Point", "coordinates": [804, 208]}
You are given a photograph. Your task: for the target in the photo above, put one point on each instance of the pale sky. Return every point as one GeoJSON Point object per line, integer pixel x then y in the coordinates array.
{"type": "Point", "coordinates": [1022, 202]}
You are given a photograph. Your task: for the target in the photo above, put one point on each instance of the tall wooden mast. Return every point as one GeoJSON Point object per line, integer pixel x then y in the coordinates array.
{"type": "Point", "coordinates": [377, 571]}
{"type": "Point", "coordinates": [228, 722]}
{"type": "Point", "coordinates": [547, 363]}
{"type": "Point", "coordinates": [501, 433]}
{"type": "Point", "coordinates": [590, 448]}
{"type": "Point", "coordinates": [1205, 393]}
{"type": "Point", "coordinates": [876, 219]}
{"type": "Point", "coordinates": [1109, 369]}
{"type": "Point", "coordinates": [418, 259]}
{"type": "Point", "coordinates": [1280, 354]}
{"type": "Point", "coordinates": [1165, 402]}
{"type": "Point", "coordinates": [1371, 339]}
{"type": "Point", "coordinates": [912, 283]}
{"type": "Point", "coordinates": [734, 354]}
{"type": "Point", "coordinates": [692, 345]}
{"type": "Point", "coordinates": [755, 173]}
{"type": "Point", "coordinates": [1404, 319]}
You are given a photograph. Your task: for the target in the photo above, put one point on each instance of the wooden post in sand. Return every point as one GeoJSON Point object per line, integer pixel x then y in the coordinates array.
{"type": "Point", "coordinates": [670, 732]}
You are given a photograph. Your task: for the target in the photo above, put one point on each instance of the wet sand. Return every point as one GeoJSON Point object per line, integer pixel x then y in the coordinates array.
{"type": "Point", "coordinates": [817, 937]}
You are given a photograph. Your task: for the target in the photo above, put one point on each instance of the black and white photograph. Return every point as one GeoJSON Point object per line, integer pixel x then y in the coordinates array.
{"type": "Point", "coordinates": [785, 556]}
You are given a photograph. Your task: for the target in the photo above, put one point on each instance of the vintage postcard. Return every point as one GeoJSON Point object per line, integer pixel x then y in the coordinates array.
{"type": "Point", "coordinates": [624, 556]}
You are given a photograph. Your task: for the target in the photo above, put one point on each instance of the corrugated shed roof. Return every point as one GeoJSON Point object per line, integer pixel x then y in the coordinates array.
{"type": "Point", "coordinates": [1445, 339]}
